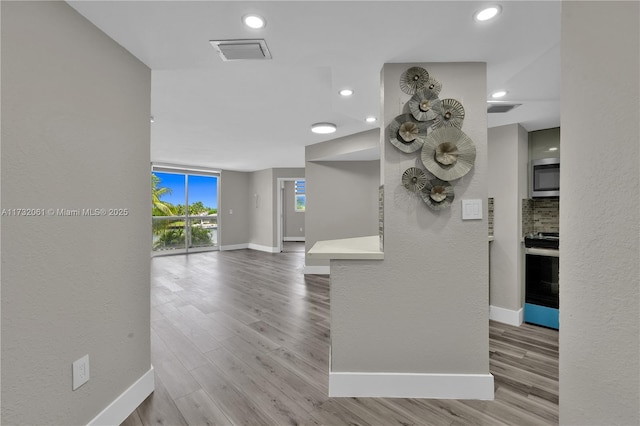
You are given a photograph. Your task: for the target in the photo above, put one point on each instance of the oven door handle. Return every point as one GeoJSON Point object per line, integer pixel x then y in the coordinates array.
{"type": "Point", "coordinates": [542, 252]}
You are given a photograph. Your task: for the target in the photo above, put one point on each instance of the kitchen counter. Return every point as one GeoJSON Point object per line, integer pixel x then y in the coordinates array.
{"type": "Point", "coordinates": [360, 248]}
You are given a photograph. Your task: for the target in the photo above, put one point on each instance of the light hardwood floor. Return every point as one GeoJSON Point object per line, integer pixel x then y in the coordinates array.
{"type": "Point", "coordinates": [242, 338]}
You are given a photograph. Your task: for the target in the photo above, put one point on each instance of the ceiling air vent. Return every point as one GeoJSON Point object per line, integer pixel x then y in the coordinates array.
{"type": "Point", "coordinates": [501, 108]}
{"type": "Point", "coordinates": [240, 50]}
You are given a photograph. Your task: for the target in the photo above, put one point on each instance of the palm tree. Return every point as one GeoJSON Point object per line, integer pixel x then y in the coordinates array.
{"type": "Point", "coordinates": [165, 209]}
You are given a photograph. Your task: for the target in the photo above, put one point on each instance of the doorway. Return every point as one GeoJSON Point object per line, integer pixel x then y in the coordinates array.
{"type": "Point", "coordinates": [291, 213]}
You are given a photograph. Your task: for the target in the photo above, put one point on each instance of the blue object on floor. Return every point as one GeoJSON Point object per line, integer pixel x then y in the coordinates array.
{"type": "Point", "coordinates": [541, 315]}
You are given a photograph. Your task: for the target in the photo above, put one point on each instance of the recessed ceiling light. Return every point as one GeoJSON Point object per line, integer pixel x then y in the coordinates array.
{"type": "Point", "coordinates": [323, 128]}
{"type": "Point", "coordinates": [487, 13]}
{"type": "Point", "coordinates": [254, 21]}
{"type": "Point", "coordinates": [346, 92]}
{"type": "Point", "coordinates": [499, 94]}
{"type": "Point", "coordinates": [371, 119]}
{"type": "Point", "coordinates": [553, 148]}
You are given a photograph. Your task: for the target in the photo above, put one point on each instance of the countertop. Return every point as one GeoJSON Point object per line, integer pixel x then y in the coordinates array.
{"type": "Point", "coordinates": [348, 248]}
{"type": "Point", "coordinates": [359, 248]}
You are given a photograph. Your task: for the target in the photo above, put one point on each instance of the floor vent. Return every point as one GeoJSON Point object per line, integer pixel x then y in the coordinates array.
{"type": "Point", "coordinates": [501, 108]}
{"type": "Point", "coordinates": [241, 50]}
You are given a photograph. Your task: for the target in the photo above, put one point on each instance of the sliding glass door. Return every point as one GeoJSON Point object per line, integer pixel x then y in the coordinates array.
{"type": "Point", "coordinates": [185, 211]}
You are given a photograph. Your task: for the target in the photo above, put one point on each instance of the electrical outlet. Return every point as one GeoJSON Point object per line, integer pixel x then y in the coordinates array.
{"type": "Point", "coordinates": [80, 372]}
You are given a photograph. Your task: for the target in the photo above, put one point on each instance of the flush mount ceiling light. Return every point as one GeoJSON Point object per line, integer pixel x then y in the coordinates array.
{"type": "Point", "coordinates": [323, 128]}
{"type": "Point", "coordinates": [253, 21]}
{"type": "Point", "coordinates": [487, 13]}
{"type": "Point", "coordinates": [371, 119]}
{"type": "Point", "coordinates": [346, 92]}
{"type": "Point", "coordinates": [499, 94]}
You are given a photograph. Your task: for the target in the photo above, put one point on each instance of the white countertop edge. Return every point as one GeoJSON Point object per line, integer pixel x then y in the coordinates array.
{"type": "Point", "coordinates": [359, 248]}
{"type": "Point", "coordinates": [542, 251]}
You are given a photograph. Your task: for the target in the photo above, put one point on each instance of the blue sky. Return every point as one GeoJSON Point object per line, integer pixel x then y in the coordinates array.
{"type": "Point", "coordinates": [201, 188]}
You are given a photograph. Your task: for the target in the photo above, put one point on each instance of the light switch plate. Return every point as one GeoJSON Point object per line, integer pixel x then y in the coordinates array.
{"type": "Point", "coordinates": [471, 209]}
{"type": "Point", "coordinates": [80, 372]}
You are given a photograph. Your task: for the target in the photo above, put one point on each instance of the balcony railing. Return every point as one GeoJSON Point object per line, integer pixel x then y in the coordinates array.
{"type": "Point", "coordinates": [181, 233]}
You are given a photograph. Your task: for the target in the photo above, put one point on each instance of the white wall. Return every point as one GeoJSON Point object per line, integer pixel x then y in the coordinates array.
{"type": "Point", "coordinates": [507, 184]}
{"type": "Point", "coordinates": [422, 311]}
{"type": "Point", "coordinates": [261, 213]}
{"type": "Point", "coordinates": [253, 198]}
{"type": "Point", "coordinates": [600, 214]}
{"type": "Point", "coordinates": [235, 197]}
{"type": "Point", "coordinates": [75, 135]}
{"type": "Point", "coordinates": [342, 202]}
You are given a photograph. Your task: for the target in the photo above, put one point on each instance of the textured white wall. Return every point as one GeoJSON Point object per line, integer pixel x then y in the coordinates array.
{"type": "Point", "coordinates": [75, 134]}
{"type": "Point", "coordinates": [261, 214]}
{"type": "Point", "coordinates": [507, 147]}
{"type": "Point", "coordinates": [342, 201]}
{"type": "Point", "coordinates": [600, 214]}
{"type": "Point", "coordinates": [424, 309]}
{"type": "Point", "coordinates": [234, 195]}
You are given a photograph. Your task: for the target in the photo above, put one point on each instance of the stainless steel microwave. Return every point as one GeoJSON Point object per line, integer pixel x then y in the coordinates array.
{"type": "Point", "coordinates": [545, 177]}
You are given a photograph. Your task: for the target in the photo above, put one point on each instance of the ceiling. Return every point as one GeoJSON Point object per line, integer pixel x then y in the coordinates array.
{"type": "Point", "coordinates": [253, 115]}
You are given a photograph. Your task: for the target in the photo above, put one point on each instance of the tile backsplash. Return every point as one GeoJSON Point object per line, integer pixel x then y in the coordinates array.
{"type": "Point", "coordinates": [527, 216]}
{"type": "Point", "coordinates": [490, 214]}
{"type": "Point", "coordinates": [540, 215]}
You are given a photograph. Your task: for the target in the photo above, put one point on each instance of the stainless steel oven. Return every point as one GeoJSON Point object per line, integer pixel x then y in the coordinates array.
{"type": "Point", "coordinates": [542, 287]}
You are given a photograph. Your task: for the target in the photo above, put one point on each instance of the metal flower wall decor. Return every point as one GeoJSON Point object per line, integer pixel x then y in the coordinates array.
{"type": "Point", "coordinates": [433, 126]}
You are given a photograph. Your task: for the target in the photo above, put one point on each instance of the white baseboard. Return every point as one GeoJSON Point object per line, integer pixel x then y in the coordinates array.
{"type": "Point", "coordinates": [294, 239]}
{"type": "Point", "coordinates": [127, 402]}
{"type": "Point", "coordinates": [316, 270]}
{"type": "Point", "coordinates": [506, 316]}
{"type": "Point", "coordinates": [234, 247]}
{"type": "Point", "coordinates": [409, 385]}
{"type": "Point", "coordinates": [263, 248]}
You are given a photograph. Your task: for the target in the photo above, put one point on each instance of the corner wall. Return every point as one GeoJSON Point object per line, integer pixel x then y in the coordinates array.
{"type": "Point", "coordinates": [507, 183]}
{"type": "Point", "coordinates": [416, 324]}
{"type": "Point", "coordinates": [261, 214]}
{"type": "Point", "coordinates": [600, 215]}
{"type": "Point", "coordinates": [234, 209]}
{"type": "Point", "coordinates": [75, 135]}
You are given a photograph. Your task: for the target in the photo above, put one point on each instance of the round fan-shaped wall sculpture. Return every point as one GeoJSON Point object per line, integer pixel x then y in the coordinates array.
{"type": "Point", "coordinates": [452, 114]}
{"type": "Point", "coordinates": [413, 79]}
{"type": "Point", "coordinates": [414, 179]}
{"type": "Point", "coordinates": [434, 85]}
{"type": "Point", "coordinates": [448, 153]}
{"type": "Point", "coordinates": [437, 194]}
{"type": "Point", "coordinates": [425, 105]}
{"type": "Point", "coordinates": [407, 134]}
